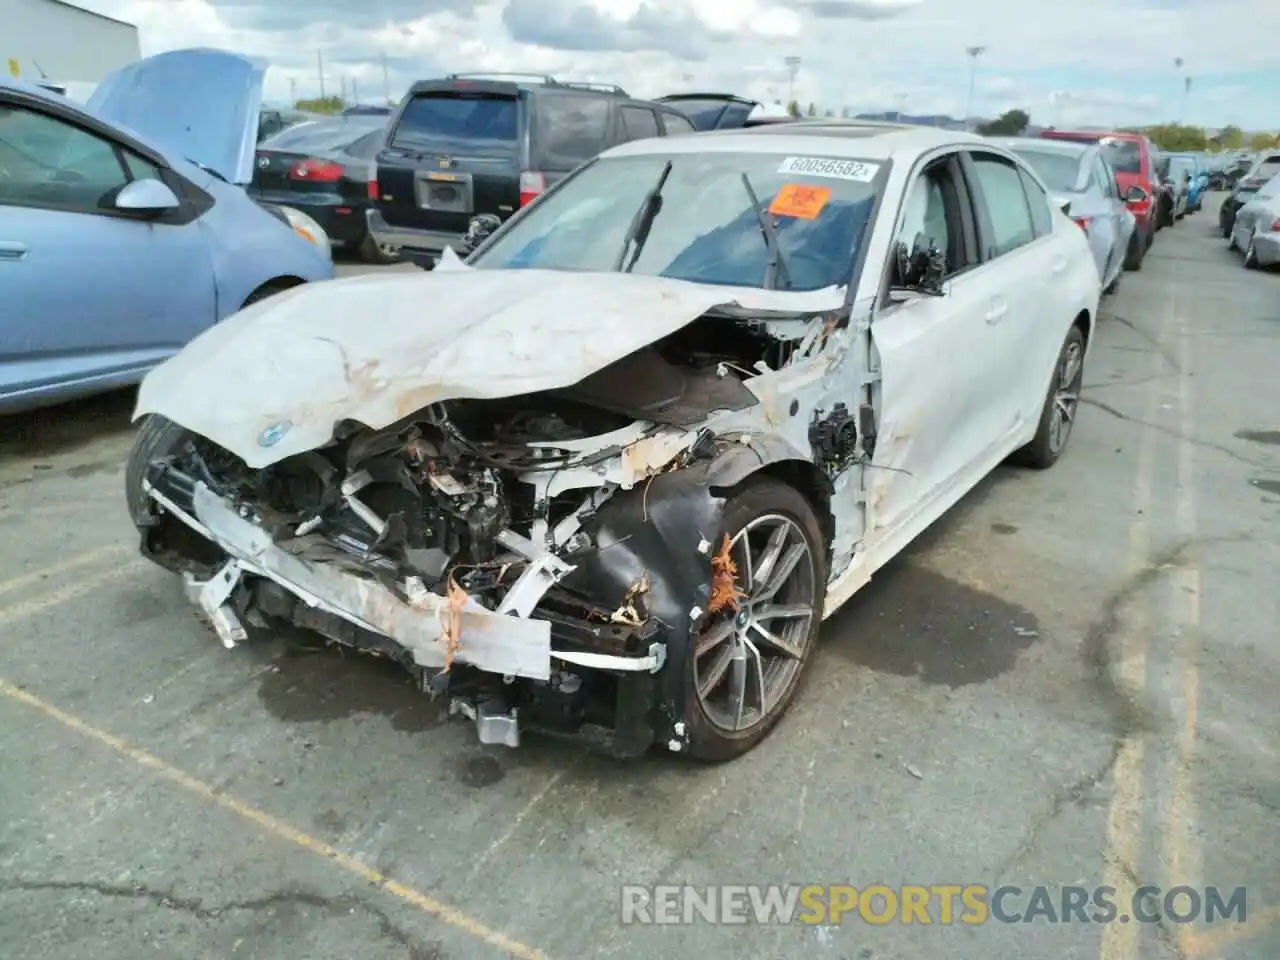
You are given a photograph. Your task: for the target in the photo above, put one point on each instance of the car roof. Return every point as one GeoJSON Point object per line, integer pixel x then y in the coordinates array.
{"type": "Point", "coordinates": [855, 139]}
{"type": "Point", "coordinates": [1066, 148]}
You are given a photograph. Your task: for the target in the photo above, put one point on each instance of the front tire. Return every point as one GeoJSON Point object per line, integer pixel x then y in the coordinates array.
{"type": "Point", "coordinates": [744, 666]}
{"type": "Point", "coordinates": [1061, 404]}
{"type": "Point", "coordinates": [156, 438]}
{"type": "Point", "coordinates": [1134, 255]}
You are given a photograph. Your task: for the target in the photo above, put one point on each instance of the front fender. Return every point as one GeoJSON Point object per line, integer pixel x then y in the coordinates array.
{"type": "Point", "coordinates": [250, 246]}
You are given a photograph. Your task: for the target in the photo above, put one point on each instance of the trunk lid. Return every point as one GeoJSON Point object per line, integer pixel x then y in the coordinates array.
{"type": "Point", "coordinates": [201, 104]}
{"type": "Point", "coordinates": [454, 150]}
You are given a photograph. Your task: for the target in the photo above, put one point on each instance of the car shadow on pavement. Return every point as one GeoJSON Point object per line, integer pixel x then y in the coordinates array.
{"type": "Point", "coordinates": [49, 431]}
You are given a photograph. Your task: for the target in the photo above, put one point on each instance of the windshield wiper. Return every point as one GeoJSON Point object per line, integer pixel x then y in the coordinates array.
{"type": "Point", "coordinates": [642, 223]}
{"type": "Point", "coordinates": [777, 263]}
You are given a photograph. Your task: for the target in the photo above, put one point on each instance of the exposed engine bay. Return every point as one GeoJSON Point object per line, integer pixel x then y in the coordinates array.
{"type": "Point", "coordinates": [471, 537]}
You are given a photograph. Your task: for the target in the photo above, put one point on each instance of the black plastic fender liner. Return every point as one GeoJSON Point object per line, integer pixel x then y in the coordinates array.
{"type": "Point", "coordinates": [654, 532]}
{"type": "Point", "coordinates": [666, 530]}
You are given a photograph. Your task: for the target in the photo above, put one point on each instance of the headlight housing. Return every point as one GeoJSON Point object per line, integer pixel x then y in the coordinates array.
{"type": "Point", "coordinates": [307, 228]}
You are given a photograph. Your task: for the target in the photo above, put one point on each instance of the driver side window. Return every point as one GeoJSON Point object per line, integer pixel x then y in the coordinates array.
{"type": "Point", "coordinates": [54, 164]}
{"type": "Point", "coordinates": [931, 209]}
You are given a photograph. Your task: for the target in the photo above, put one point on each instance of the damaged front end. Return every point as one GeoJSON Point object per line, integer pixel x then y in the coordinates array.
{"type": "Point", "coordinates": [543, 560]}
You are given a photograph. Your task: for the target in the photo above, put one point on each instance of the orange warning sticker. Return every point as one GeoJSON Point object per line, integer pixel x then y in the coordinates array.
{"type": "Point", "coordinates": [800, 200]}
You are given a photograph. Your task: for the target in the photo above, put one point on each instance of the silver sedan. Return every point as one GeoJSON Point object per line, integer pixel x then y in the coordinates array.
{"type": "Point", "coordinates": [1083, 184]}
{"type": "Point", "coordinates": [1257, 227]}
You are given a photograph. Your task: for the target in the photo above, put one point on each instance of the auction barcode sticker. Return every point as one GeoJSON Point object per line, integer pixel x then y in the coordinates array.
{"type": "Point", "coordinates": [831, 167]}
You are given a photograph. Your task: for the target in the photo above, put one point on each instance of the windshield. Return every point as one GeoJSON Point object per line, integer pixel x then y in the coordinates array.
{"type": "Point", "coordinates": [1124, 156]}
{"type": "Point", "coordinates": [704, 114]}
{"type": "Point", "coordinates": [703, 227]}
{"type": "Point", "coordinates": [1059, 171]}
{"type": "Point", "coordinates": [320, 136]}
{"type": "Point", "coordinates": [1180, 165]}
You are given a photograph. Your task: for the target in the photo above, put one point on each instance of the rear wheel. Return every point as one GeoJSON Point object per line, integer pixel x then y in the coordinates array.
{"type": "Point", "coordinates": [1134, 254]}
{"type": "Point", "coordinates": [745, 664]}
{"type": "Point", "coordinates": [1060, 406]}
{"type": "Point", "coordinates": [378, 253]}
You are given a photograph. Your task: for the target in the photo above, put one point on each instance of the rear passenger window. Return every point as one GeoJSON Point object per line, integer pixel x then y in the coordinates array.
{"type": "Point", "coordinates": [735, 115]}
{"type": "Point", "coordinates": [1039, 203]}
{"type": "Point", "coordinates": [1006, 203]}
{"type": "Point", "coordinates": [638, 123]}
{"type": "Point", "coordinates": [571, 129]}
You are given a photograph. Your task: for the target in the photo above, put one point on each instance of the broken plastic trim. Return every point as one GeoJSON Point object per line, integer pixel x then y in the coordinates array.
{"type": "Point", "coordinates": [495, 642]}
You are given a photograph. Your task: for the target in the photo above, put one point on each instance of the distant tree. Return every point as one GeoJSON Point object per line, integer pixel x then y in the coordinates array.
{"type": "Point", "coordinates": [1009, 124]}
{"type": "Point", "coordinates": [813, 109]}
{"type": "Point", "coordinates": [321, 105]}
{"type": "Point", "coordinates": [1262, 141]}
{"type": "Point", "coordinates": [793, 108]}
{"type": "Point", "coordinates": [1231, 138]}
{"type": "Point", "coordinates": [1176, 137]}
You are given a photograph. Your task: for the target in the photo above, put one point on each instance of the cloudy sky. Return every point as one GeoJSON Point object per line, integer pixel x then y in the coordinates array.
{"type": "Point", "coordinates": [1086, 61]}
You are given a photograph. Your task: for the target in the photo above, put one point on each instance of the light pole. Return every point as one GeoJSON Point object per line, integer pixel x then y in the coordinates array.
{"type": "Point", "coordinates": [793, 68]}
{"type": "Point", "coordinates": [974, 53]}
{"type": "Point", "coordinates": [1177, 65]}
{"type": "Point", "coordinates": [901, 101]}
{"type": "Point", "coordinates": [1186, 97]}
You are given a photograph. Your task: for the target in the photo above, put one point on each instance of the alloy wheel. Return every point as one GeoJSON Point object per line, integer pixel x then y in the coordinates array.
{"type": "Point", "coordinates": [747, 659]}
{"type": "Point", "coordinates": [1066, 396]}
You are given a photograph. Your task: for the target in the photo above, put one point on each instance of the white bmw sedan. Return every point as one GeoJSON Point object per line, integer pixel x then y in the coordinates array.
{"type": "Point", "coordinates": [606, 478]}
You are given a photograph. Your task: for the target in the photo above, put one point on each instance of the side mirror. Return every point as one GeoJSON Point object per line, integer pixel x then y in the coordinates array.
{"type": "Point", "coordinates": [479, 230]}
{"type": "Point", "coordinates": [146, 197]}
{"type": "Point", "coordinates": [1136, 195]}
{"type": "Point", "coordinates": [921, 267]}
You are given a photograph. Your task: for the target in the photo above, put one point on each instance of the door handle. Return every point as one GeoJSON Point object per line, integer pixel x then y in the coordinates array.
{"type": "Point", "coordinates": [996, 311]}
{"type": "Point", "coordinates": [12, 250]}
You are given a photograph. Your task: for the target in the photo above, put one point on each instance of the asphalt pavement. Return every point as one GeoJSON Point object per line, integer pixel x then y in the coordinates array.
{"type": "Point", "coordinates": [1071, 681]}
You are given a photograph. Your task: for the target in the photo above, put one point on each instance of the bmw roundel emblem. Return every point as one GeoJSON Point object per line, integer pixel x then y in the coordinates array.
{"type": "Point", "coordinates": [264, 162]}
{"type": "Point", "coordinates": [274, 434]}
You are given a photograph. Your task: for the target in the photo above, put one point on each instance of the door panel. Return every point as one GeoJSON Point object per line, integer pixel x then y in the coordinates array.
{"type": "Point", "coordinates": [88, 293]}
{"type": "Point", "coordinates": [96, 296]}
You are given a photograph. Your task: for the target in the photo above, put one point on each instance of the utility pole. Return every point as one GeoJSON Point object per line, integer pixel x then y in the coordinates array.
{"type": "Point", "coordinates": [320, 69]}
{"type": "Point", "coordinates": [343, 80]}
{"type": "Point", "coordinates": [293, 91]}
{"type": "Point", "coordinates": [386, 80]}
{"type": "Point", "coordinates": [355, 91]}
{"type": "Point", "coordinates": [793, 69]}
{"type": "Point", "coordinates": [901, 100]}
{"type": "Point", "coordinates": [973, 53]}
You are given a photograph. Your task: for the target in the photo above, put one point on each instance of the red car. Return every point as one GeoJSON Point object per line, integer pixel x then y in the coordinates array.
{"type": "Point", "coordinates": [1130, 157]}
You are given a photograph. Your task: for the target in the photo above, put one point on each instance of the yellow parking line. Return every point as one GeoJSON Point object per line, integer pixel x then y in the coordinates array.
{"type": "Point", "coordinates": [1124, 815]}
{"type": "Point", "coordinates": [277, 828]}
{"type": "Point", "coordinates": [63, 567]}
{"type": "Point", "coordinates": [71, 590]}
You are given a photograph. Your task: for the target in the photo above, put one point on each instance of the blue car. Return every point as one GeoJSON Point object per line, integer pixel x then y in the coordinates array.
{"type": "Point", "coordinates": [124, 231]}
{"type": "Point", "coordinates": [1199, 182]}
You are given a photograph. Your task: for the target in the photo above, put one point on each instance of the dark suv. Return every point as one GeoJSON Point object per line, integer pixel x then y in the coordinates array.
{"type": "Point", "coordinates": [473, 144]}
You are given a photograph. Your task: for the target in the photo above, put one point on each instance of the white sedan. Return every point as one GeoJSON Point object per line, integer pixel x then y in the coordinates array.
{"type": "Point", "coordinates": [1256, 230]}
{"type": "Point", "coordinates": [607, 477]}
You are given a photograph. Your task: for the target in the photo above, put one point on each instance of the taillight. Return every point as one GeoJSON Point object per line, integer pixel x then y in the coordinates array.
{"type": "Point", "coordinates": [1275, 227]}
{"type": "Point", "coordinates": [1083, 222]}
{"type": "Point", "coordinates": [531, 184]}
{"type": "Point", "coordinates": [325, 171]}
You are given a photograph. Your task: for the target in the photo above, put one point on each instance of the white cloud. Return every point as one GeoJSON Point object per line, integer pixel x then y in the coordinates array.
{"type": "Point", "coordinates": [1115, 57]}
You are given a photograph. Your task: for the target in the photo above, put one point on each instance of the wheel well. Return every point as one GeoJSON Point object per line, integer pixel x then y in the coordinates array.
{"type": "Point", "coordinates": [1085, 323]}
{"type": "Point", "coordinates": [272, 286]}
{"type": "Point", "coordinates": [811, 483]}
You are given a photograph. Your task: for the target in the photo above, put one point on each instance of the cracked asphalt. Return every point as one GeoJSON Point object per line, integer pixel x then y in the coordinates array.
{"type": "Point", "coordinates": [1072, 680]}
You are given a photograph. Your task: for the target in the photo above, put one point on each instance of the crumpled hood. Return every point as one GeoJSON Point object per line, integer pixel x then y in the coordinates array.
{"type": "Point", "coordinates": [273, 380]}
